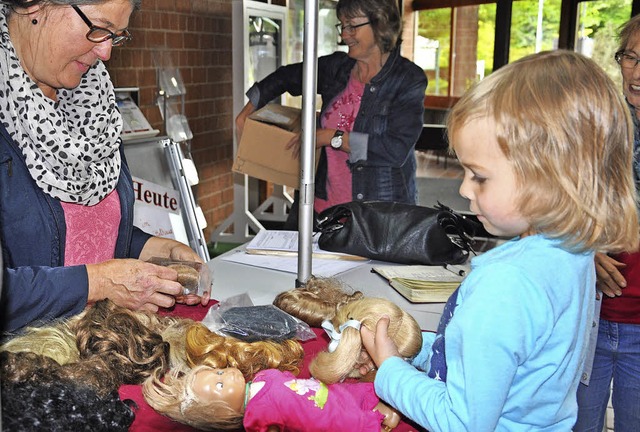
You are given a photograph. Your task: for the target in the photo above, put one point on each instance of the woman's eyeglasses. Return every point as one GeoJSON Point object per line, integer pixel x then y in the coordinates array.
{"type": "Point", "coordinates": [626, 61]}
{"type": "Point", "coordinates": [100, 34]}
{"type": "Point", "coordinates": [349, 29]}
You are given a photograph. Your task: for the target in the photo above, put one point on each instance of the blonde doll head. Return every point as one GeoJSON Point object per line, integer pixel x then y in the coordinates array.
{"type": "Point", "coordinates": [204, 347]}
{"type": "Point", "coordinates": [344, 361]}
{"type": "Point", "coordinates": [316, 301]}
{"type": "Point", "coordinates": [563, 125]}
{"type": "Point", "coordinates": [172, 395]}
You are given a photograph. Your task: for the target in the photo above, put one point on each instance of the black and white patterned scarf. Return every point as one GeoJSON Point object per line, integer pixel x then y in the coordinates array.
{"type": "Point", "coordinates": [70, 146]}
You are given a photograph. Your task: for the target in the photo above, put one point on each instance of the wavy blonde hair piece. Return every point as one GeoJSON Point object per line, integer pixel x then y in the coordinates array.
{"type": "Point", "coordinates": [204, 347]}
{"type": "Point", "coordinates": [316, 301]}
{"type": "Point", "coordinates": [405, 332]}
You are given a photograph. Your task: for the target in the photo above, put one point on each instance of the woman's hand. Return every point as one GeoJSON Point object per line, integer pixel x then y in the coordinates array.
{"type": "Point", "coordinates": [378, 344]}
{"type": "Point", "coordinates": [242, 118]}
{"type": "Point", "coordinates": [609, 279]}
{"type": "Point", "coordinates": [167, 248]}
{"type": "Point", "coordinates": [177, 251]}
{"type": "Point", "coordinates": [133, 284]}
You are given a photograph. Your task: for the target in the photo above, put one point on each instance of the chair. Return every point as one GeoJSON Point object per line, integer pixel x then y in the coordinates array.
{"type": "Point", "coordinates": [434, 137]}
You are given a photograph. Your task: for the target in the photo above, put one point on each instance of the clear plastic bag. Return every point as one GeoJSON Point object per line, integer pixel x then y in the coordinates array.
{"type": "Point", "coordinates": [195, 277]}
{"type": "Point", "coordinates": [239, 318]}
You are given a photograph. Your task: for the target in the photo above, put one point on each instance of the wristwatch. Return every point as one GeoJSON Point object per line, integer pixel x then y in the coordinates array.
{"type": "Point", "coordinates": [336, 141]}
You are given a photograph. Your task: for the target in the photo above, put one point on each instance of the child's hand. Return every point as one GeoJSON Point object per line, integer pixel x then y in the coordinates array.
{"type": "Point", "coordinates": [379, 345]}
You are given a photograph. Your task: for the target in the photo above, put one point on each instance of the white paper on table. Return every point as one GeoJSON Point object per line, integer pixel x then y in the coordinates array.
{"type": "Point", "coordinates": [289, 264]}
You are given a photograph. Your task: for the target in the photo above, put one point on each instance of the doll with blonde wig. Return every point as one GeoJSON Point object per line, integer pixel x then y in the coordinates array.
{"type": "Point", "coordinates": [345, 353]}
{"type": "Point", "coordinates": [220, 399]}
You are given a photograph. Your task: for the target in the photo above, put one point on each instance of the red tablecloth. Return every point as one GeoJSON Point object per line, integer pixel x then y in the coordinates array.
{"type": "Point", "coordinates": [148, 420]}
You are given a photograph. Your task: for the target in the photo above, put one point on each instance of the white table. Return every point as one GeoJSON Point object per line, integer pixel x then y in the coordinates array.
{"type": "Point", "coordinates": [263, 285]}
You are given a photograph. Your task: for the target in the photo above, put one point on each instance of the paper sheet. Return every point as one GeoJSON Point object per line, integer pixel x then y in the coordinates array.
{"type": "Point", "coordinates": [289, 264]}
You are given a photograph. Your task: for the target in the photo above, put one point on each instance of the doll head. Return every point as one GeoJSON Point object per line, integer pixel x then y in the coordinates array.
{"type": "Point", "coordinates": [204, 347]}
{"type": "Point", "coordinates": [193, 396]}
{"type": "Point", "coordinates": [344, 361]}
{"type": "Point", "coordinates": [316, 301]}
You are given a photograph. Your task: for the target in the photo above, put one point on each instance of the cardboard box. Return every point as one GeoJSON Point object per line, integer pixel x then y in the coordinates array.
{"type": "Point", "coordinates": [262, 153]}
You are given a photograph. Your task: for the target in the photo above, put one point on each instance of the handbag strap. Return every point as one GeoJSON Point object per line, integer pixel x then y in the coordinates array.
{"type": "Point", "coordinates": [333, 221]}
{"type": "Point", "coordinates": [459, 228]}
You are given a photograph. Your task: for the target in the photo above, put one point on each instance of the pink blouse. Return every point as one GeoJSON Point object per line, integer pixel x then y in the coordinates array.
{"type": "Point", "coordinates": [91, 231]}
{"type": "Point", "coordinates": [340, 115]}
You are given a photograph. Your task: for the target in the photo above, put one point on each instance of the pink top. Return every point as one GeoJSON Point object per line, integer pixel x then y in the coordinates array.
{"type": "Point", "coordinates": [91, 231]}
{"type": "Point", "coordinates": [341, 114]}
{"type": "Point", "coordinates": [307, 405]}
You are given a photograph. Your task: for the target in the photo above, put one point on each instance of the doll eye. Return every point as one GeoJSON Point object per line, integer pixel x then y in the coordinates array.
{"type": "Point", "coordinates": [219, 386]}
{"type": "Point", "coordinates": [219, 372]}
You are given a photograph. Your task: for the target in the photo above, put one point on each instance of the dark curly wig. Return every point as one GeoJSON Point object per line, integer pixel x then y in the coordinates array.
{"type": "Point", "coordinates": [62, 405]}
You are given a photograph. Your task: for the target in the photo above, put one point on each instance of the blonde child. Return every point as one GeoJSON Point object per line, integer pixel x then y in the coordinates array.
{"type": "Point", "coordinates": [546, 146]}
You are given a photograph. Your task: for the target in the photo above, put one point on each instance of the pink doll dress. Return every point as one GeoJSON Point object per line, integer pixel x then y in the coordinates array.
{"type": "Point", "coordinates": [308, 405]}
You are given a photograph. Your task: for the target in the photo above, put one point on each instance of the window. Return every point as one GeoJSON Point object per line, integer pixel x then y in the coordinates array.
{"type": "Point", "coordinates": [458, 42]}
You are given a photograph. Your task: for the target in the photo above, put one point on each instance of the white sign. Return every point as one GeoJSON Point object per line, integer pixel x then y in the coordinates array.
{"type": "Point", "coordinates": [157, 210]}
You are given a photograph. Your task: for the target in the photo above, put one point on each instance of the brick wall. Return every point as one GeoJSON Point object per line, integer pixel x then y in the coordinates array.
{"type": "Point", "coordinates": [197, 35]}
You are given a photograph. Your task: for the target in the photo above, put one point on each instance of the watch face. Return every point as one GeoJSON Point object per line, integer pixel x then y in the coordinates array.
{"type": "Point", "coordinates": [336, 141]}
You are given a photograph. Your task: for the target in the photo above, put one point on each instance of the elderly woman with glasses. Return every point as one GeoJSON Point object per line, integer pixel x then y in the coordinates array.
{"type": "Point", "coordinates": [372, 109]}
{"type": "Point", "coordinates": [617, 348]}
{"type": "Point", "coordinates": [66, 195]}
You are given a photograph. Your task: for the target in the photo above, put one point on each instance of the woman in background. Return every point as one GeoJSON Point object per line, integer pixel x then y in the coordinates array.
{"type": "Point", "coordinates": [617, 355]}
{"type": "Point", "coordinates": [372, 109]}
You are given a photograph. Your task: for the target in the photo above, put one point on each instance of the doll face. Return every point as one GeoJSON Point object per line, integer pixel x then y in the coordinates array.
{"type": "Point", "coordinates": [220, 385]}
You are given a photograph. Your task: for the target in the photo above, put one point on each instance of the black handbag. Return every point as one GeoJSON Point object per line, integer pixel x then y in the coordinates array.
{"type": "Point", "coordinates": [396, 232]}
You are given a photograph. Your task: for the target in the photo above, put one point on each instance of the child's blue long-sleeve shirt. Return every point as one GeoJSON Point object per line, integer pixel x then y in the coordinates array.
{"type": "Point", "coordinates": [514, 347]}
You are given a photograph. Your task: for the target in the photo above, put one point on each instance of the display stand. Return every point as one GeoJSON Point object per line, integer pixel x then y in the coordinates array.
{"type": "Point", "coordinates": [159, 160]}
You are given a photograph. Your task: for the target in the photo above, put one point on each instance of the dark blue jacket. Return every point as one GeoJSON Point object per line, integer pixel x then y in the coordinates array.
{"type": "Point", "coordinates": [388, 124]}
{"type": "Point", "coordinates": [36, 285]}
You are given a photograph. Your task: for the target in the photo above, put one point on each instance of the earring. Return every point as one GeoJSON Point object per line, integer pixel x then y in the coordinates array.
{"type": "Point", "coordinates": [34, 21]}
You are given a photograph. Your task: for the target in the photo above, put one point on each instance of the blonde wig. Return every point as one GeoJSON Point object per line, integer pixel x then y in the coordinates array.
{"type": "Point", "coordinates": [567, 131]}
{"type": "Point", "coordinates": [332, 367]}
{"type": "Point", "coordinates": [57, 341]}
{"type": "Point", "coordinates": [316, 301]}
{"type": "Point", "coordinates": [170, 394]}
{"type": "Point", "coordinates": [205, 347]}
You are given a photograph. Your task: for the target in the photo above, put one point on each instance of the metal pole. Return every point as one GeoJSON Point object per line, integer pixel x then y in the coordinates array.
{"type": "Point", "coordinates": [308, 145]}
{"type": "Point", "coordinates": [188, 202]}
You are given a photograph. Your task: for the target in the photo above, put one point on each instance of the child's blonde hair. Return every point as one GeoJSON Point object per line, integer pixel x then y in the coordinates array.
{"type": "Point", "coordinates": [568, 133]}
{"type": "Point", "coordinates": [332, 367]}
{"type": "Point", "coordinates": [171, 395]}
